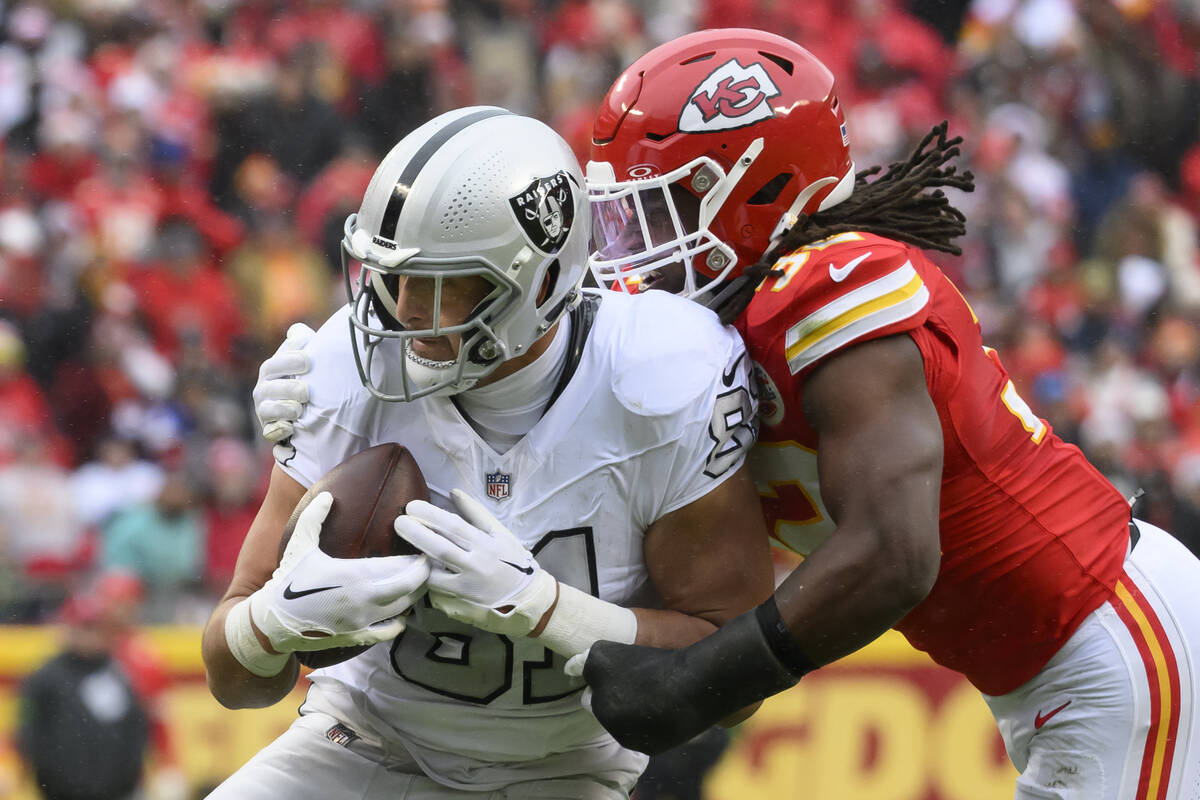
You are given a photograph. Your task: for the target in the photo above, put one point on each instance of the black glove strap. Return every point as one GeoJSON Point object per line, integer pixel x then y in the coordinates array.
{"type": "Point", "coordinates": [782, 643]}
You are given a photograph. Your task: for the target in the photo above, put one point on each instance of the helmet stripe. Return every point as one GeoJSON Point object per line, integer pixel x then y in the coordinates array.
{"type": "Point", "coordinates": [391, 214]}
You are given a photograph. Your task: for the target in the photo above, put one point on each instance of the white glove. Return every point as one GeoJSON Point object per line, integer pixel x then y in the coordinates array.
{"type": "Point", "coordinates": [482, 574]}
{"type": "Point", "coordinates": [314, 601]}
{"type": "Point", "coordinates": [279, 396]}
{"type": "Point", "coordinates": [574, 669]}
{"type": "Point", "coordinates": [574, 666]}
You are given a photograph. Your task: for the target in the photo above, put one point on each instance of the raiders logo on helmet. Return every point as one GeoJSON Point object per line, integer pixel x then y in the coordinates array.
{"type": "Point", "coordinates": [732, 96]}
{"type": "Point", "coordinates": [545, 210]}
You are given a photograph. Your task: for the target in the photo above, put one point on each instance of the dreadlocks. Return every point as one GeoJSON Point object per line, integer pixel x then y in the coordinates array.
{"type": "Point", "coordinates": [895, 205]}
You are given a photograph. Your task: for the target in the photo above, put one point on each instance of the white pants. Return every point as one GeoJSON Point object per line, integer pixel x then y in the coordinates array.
{"type": "Point", "coordinates": [307, 763]}
{"type": "Point", "coordinates": [1115, 714]}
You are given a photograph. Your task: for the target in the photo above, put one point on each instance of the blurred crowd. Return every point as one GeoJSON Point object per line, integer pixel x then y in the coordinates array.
{"type": "Point", "coordinates": [174, 175]}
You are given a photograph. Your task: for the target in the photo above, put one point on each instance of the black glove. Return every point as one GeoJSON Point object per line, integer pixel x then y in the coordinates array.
{"type": "Point", "coordinates": [651, 699]}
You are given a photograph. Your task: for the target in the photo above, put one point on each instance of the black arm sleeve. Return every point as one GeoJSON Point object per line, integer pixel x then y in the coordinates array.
{"type": "Point", "coordinates": [651, 699]}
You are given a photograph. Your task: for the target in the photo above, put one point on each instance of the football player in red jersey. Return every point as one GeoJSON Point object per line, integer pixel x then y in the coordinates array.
{"type": "Point", "coordinates": [894, 453]}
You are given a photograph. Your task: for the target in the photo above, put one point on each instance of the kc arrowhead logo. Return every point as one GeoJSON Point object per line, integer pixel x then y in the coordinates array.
{"type": "Point", "coordinates": [732, 96]}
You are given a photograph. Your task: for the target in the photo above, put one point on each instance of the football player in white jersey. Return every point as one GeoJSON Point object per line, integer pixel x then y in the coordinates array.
{"type": "Point", "coordinates": [585, 463]}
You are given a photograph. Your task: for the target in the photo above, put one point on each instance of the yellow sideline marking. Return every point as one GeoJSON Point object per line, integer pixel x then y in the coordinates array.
{"type": "Point", "coordinates": [23, 648]}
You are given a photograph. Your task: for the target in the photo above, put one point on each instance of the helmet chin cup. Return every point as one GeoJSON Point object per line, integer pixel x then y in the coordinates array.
{"type": "Point", "coordinates": [431, 376]}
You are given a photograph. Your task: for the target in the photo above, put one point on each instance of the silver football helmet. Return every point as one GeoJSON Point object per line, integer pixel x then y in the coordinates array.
{"type": "Point", "coordinates": [475, 191]}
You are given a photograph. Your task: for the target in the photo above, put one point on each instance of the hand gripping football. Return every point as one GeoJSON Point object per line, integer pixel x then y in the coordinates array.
{"type": "Point", "coordinates": [370, 489]}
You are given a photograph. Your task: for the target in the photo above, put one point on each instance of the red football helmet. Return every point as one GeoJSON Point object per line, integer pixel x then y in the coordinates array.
{"type": "Point", "coordinates": [704, 151]}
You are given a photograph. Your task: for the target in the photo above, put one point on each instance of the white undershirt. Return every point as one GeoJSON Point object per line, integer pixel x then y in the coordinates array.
{"type": "Point", "coordinates": [504, 411]}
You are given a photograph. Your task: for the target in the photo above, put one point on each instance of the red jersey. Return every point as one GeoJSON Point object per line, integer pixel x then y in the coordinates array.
{"type": "Point", "coordinates": [1033, 538]}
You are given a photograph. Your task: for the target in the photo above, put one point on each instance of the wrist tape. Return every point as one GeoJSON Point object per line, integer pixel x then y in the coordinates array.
{"type": "Point", "coordinates": [244, 644]}
{"type": "Point", "coordinates": [580, 620]}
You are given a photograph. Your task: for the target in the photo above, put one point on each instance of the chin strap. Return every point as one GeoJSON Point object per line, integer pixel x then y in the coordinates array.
{"type": "Point", "coordinates": [583, 315]}
{"type": "Point", "coordinates": [728, 303]}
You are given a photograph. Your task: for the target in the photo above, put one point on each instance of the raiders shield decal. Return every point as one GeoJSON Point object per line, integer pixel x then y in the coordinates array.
{"type": "Point", "coordinates": [545, 210]}
{"type": "Point", "coordinates": [732, 96]}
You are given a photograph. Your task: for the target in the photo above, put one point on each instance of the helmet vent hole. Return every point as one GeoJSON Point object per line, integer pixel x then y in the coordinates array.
{"type": "Point", "coordinates": [461, 217]}
{"type": "Point", "coordinates": [784, 64]}
{"type": "Point", "coordinates": [769, 192]}
{"type": "Point", "coordinates": [656, 137]}
{"type": "Point", "coordinates": [694, 59]}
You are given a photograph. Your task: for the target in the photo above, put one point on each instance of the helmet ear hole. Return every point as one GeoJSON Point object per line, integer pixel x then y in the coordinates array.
{"type": "Point", "coordinates": [548, 283]}
{"type": "Point", "coordinates": [769, 192]}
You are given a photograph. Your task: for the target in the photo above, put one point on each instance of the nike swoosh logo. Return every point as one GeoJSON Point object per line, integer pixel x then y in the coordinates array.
{"type": "Point", "coordinates": [729, 374]}
{"type": "Point", "coordinates": [840, 274]}
{"type": "Point", "coordinates": [528, 569]}
{"type": "Point", "coordinates": [288, 594]}
{"type": "Point", "coordinates": [1039, 720]}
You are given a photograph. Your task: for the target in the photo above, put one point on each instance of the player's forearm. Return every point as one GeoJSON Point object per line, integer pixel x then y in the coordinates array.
{"type": "Point", "coordinates": [674, 630]}
{"type": "Point", "coordinates": [848, 593]}
{"type": "Point", "coordinates": [651, 699]}
{"type": "Point", "coordinates": [834, 603]}
{"type": "Point", "coordinates": [230, 682]}
{"type": "Point", "coordinates": [880, 466]}
{"type": "Point", "coordinates": [668, 628]}
{"type": "Point", "coordinates": [576, 620]}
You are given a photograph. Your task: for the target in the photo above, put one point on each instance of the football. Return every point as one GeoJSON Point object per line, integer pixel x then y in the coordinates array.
{"type": "Point", "coordinates": [369, 490]}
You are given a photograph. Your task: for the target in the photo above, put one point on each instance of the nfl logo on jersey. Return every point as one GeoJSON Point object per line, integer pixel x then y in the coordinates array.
{"type": "Point", "coordinates": [497, 484]}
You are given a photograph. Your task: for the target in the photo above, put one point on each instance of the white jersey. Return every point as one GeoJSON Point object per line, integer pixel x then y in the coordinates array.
{"type": "Point", "coordinates": [658, 413]}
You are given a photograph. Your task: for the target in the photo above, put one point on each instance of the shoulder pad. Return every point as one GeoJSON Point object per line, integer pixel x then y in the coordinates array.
{"type": "Point", "coordinates": [668, 353]}
{"type": "Point", "coordinates": [844, 289]}
{"type": "Point", "coordinates": [333, 379]}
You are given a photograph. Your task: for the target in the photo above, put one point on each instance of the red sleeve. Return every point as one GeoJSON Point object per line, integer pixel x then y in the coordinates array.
{"type": "Point", "coordinates": [840, 291]}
